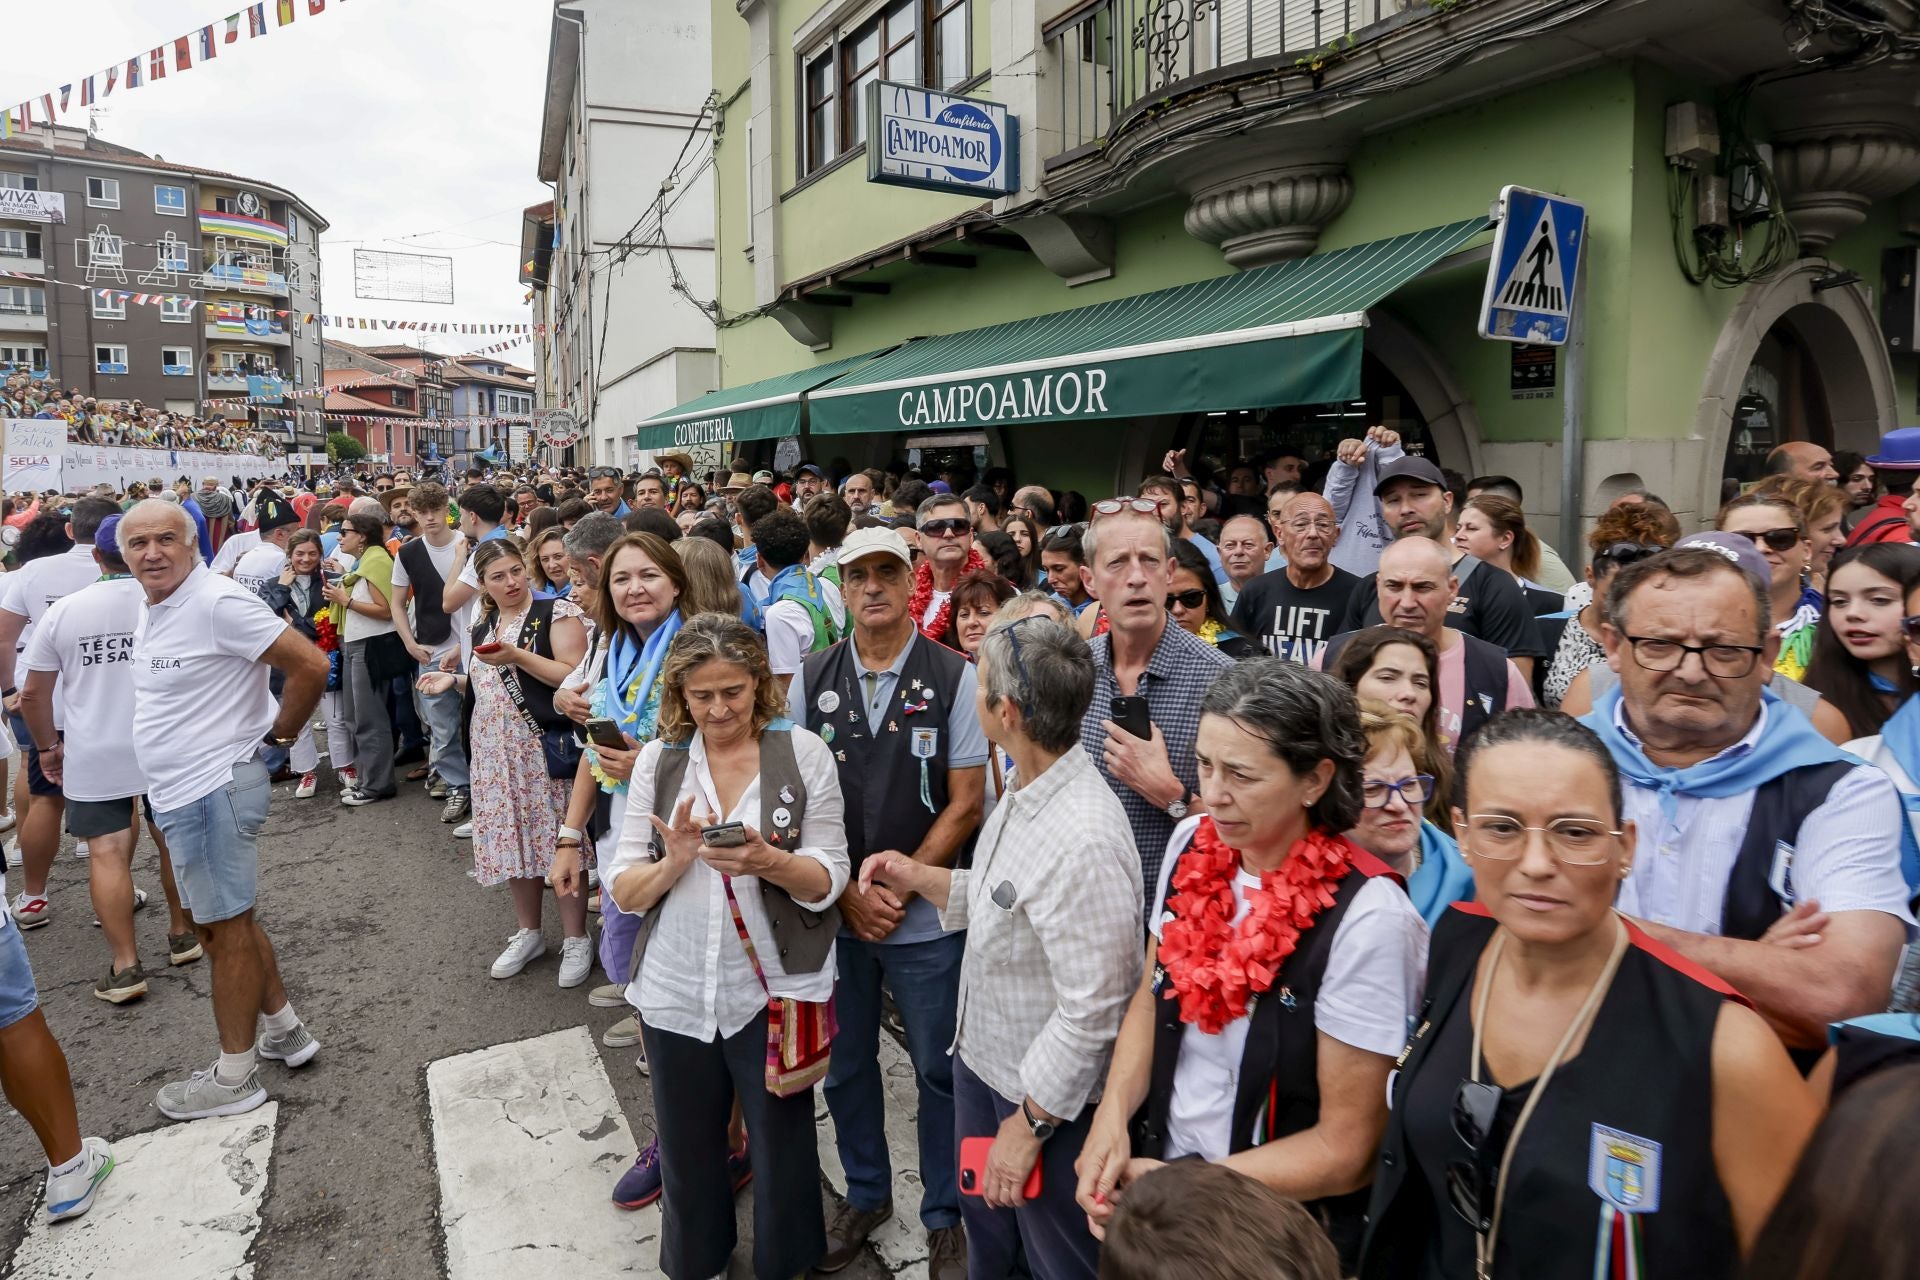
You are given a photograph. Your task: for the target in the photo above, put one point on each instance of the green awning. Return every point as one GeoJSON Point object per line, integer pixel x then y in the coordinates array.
{"type": "Point", "coordinates": [763, 410]}
{"type": "Point", "coordinates": [1279, 335]}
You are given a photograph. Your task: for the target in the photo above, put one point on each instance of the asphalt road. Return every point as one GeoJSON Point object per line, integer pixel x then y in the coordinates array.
{"type": "Point", "coordinates": [384, 941]}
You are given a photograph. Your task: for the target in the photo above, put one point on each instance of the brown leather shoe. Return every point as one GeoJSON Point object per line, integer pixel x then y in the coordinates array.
{"type": "Point", "coordinates": [947, 1254]}
{"type": "Point", "coordinates": [847, 1232]}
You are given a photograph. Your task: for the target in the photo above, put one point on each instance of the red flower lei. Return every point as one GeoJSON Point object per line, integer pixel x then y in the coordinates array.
{"type": "Point", "coordinates": [923, 595]}
{"type": "Point", "coordinates": [1216, 968]}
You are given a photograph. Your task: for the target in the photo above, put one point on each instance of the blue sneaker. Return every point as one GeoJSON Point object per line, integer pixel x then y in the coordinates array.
{"type": "Point", "coordinates": [71, 1194]}
{"type": "Point", "coordinates": [640, 1186]}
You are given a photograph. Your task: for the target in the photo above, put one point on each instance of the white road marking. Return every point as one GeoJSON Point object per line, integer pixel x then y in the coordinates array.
{"type": "Point", "coordinates": [900, 1241]}
{"type": "Point", "coordinates": [182, 1203]}
{"type": "Point", "coordinates": [529, 1139]}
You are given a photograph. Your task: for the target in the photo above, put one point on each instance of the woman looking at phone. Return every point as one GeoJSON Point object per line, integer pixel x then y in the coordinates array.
{"type": "Point", "coordinates": [361, 613]}
{"type": "Point", "coordinates": [522, 649]}
{"type": "Point", "coordinates": [733, 920]}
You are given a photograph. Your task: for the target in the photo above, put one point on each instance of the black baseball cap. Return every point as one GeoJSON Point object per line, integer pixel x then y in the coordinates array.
{"type": "Point", "coordinates": [1416, 469]}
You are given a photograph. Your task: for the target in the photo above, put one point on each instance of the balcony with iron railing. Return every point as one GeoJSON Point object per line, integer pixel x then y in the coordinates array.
{"type": "Point", "coordinates": [1112, 60]}
{"type": "Point", "coordinates": [243, 279]}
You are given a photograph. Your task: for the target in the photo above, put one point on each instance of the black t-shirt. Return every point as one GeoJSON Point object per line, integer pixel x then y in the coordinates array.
{"type": "Point", "coordinates": [1490, 606]}
{"type": "Point", "coordinates": [1290, 622]}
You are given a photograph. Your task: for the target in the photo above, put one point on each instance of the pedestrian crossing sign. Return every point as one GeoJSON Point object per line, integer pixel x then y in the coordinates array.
{"type": "Point", "coordinates": [1534, 269]}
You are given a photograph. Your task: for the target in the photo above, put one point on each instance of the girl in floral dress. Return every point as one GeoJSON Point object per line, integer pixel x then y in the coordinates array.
{"type": "Point", "coordinates": [516, 806]}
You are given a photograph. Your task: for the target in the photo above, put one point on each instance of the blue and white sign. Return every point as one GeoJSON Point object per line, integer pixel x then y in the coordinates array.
{"type": "Point", "coordinates": [1536, 260]}
{"type": "Point", "coordinates": [940, 142]}
{"type": "Point", "coordinates": [265, 390]}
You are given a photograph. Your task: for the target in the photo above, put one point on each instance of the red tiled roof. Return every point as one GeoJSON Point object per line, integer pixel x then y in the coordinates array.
{"type": "Point", "coordinates": [539, 212]}
{"type": "Point", "coordinates": [347, 402]}
{"type": "Point", "coordinates": [334, 377]}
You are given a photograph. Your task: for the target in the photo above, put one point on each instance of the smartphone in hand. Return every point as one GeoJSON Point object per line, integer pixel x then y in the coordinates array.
{"type": "Point", "coordinates": [973, 1169]}
{"type": "Point", "coordinates": [491, 646]}
{"type": "Point", "coordinates": [1131, 714]}
{"type": "Point", "coordinates": [605, 733]}
{"type": "Point", "coordinates": [724, 835]}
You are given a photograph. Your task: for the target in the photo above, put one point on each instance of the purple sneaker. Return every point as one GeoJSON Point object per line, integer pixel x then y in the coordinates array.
{"type": "Point", "coordinates": [640, 1186]}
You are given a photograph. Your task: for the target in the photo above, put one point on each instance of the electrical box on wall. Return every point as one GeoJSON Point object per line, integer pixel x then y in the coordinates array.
{"type": "Point", "coordinates": [1900, 298]}
{"type": "Point", "coordinates": [1711, 204]}
{"type": "Point", "coordinates": [1693, 135]}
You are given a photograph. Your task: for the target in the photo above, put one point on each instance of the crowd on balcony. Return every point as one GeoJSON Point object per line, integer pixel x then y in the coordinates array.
{"type": "Point", "coordinates": [129, 423]}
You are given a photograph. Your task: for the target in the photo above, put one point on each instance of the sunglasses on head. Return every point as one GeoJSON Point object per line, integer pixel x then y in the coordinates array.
{"type": "Point", "coordinates": [1114, 506]}
{"type": "Point", "coordinates": [950, 526]}
{"type": "Point", "coordinates": [1782, 539]}
{"type": "Point", "coordinates": [1623, 554]}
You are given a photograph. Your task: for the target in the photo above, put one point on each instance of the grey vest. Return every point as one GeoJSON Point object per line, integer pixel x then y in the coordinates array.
{"type": "Point", "coordinates": [802, 937]}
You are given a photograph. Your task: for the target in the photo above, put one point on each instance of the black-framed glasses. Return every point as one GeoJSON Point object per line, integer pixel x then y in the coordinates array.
{"type": "Point", "coordinates": [950, 526]}
{"type": "Point", "coordinates": [1784, 538]}
{"type": "Point", "coordinates": [1622, 554]}
{"type": "Point", "coordinates": [1416, 791]}
{"type": "Point", "coordinates": [1187, 599]}
{"type": "Point", "coordinates": [1723, 661]}
{"type": "Point", "coordinates": [1114, 506]}
{"type": "Point", "coordinates": [1910, 627]}
{"type": "Point", "coordinates": [1020, 665]}
{"type": "Point", "coordinates": [1475, 1108]}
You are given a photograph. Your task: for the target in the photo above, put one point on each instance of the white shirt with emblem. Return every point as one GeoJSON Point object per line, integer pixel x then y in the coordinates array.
{"type": "Point", "coordinates": [87, 638]}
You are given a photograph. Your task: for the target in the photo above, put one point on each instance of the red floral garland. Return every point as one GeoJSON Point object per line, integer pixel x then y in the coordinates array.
{"type": "Point", "coordinates": [923, 594]}
{"type": "Point", "coordinates": [1216, 968]}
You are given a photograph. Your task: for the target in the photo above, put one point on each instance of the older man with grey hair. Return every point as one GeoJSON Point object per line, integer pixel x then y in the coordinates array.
{"type": "Point", "coordinates": [1044, 985]}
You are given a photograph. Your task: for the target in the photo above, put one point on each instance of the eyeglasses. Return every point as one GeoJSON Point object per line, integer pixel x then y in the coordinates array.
{"type": "Point", "coordinates": [1416, 791]}
{"type": "Point", "coordinates": [1312, 526]}
{"type": "Point", "coordinates": [1187, 599]}
{"type": "Point", "coordinates": [950, 527]}
{"type": "Point", "coordinates": [1911, 627]}
{"type": "Point", "coordinates": [1623, 554]}
{"type": "Point", "coordinates": [1020, 663]}
{"type": "Point", "coordinates": [603, 473]}
{"type": "Point", "coordinates": [1114, 506]}
{"type": "Point", "coordinates": [1475, 1108]}
{"type": "Point", "coordinates": [1782, 539]}
{"type": "Point", "coordinates": [1577, 842]}
{"type": "Point", "coordinates": [1725, 661]}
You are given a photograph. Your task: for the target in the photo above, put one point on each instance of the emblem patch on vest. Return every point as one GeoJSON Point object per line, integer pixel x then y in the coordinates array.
{"type": "Point", "coordinates": [1624, 1170]}
{"type": "Point", "coordinates": [926, 744]}
{"type": "Point", "coordinates": [1780, 875]}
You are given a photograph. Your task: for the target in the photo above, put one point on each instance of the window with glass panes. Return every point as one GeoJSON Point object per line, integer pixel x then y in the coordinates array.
{"type": "Point", "coordinates": [924, 42]}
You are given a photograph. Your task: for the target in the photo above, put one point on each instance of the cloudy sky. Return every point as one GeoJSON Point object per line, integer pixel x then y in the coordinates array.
{"type": "Point", "coordinates": [411, 125]}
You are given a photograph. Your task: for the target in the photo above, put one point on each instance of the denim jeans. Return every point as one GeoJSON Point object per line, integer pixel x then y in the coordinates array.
{"type": "Point", "coordinates": [445, 751]}
{"type": "Point", "coordinates": [925, 980]}
{"type": "Point", "coordinates": [1049, 1231]}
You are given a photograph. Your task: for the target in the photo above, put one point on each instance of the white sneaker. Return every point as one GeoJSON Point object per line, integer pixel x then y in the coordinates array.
{"type": "Point", "coordinates": [309, 782]}
{"type": "Point", "coordinates": [349, 778]}
{"type": "Point", "coordinates": [6, 820]}
{"type": "Point", "coordinates": [523, 949]}
{"type": "Point", "coordinates": [14, 857]}
{"type": "Point", "coordinates": [71, 1194]}
{"type": "Point", "coordinates": [80, 849]}
{"type": "Point", "coordinates": [576, 961]}
{"type": "Point", "coordinates": [463, 832]}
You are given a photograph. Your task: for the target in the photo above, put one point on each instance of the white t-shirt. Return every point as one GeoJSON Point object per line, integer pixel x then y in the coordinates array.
{"type": "Point", "coordinates": [233, 548]}
{"type": "Point", "coordinates": [200, 698]}
{"type": "Point", "coordinates": [88, 639]}
{"type": "Point", "coordinates": [790, 628]}
{"type": "Point", "coordinates": [31, 589]}
{"type": "Point", "coordinates": [259, 567]}
{"type": "Point", "coordinates": [442, 558]}
{"type": "Point", "coordinates": [358, 626]}
{"type": "Point", "coordinates": [1368, 998]}
{"type": "Point", "coordinates": [933, 607]}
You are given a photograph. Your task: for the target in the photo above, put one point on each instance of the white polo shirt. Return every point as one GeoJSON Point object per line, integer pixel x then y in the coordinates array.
{"type": "Point", "coordinates": [200, 698]}
{"type": "Point", "coordinates": [87, 638]}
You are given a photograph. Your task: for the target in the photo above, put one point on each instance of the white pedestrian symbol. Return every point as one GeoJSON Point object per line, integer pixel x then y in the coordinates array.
{"type": "Point", "coordinates": [1538, 282]}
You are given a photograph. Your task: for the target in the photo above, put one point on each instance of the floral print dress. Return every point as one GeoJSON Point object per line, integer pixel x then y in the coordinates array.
{"type": "Point", "coordinates": [517, 808]}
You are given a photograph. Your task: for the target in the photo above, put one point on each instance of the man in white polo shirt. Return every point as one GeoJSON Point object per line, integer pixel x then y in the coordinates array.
{"type": "Point", "coordinates": [202, 712]}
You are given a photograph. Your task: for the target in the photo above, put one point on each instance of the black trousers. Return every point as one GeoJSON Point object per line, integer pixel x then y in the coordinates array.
{"type": "Point", "coordinates": [694, 1084]}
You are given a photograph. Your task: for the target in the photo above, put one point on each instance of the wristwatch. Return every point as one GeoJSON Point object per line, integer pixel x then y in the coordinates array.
{"type": "Point", "coordinates": [274, 741]}
{"type": "Point", "coordinates": [1178, 809]}
{"type": "Point", "coordinates": [1042, 1129]}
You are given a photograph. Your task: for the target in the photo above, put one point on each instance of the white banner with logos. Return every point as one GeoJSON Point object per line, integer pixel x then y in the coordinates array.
{"type": "Point", "coordinates": [32, 206]}
{"type": "Point", "coordinates": [39, 457]}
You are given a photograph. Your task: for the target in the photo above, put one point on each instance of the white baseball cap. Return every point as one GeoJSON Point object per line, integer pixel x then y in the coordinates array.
{"type": "Point", "coordinates": [870, 542]}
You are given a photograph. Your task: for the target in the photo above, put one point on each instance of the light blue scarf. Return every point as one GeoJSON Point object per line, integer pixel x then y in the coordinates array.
{"type": "Point", "coordinates": [630, 692]}
{"type": "Point", "coordinates": [1901, 737]}
{"type": "Point", "coordinates": [1789, 742]}
{"type": "Point", "coordinates": [1441, 879]}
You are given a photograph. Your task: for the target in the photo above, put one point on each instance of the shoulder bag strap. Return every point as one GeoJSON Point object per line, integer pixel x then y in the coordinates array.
{"type": "Point", "coordinates": [740, 927]}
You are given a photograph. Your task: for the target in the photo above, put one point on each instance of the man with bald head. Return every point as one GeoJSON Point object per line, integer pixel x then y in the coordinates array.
{"type": "Point", "coordinates": [1296, 609]}
{"type": "Point", "coordinates": [202, 715]}
{"type": "Point", "coordinates": [1415, 586]}
{"type": "Point", "coordinates": [1803, 460]}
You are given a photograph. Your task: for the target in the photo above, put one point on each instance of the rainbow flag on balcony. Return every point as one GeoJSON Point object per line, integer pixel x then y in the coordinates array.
{"type": "Point", "coordinates": [230, 321]}
{"type": "Point", "coordinates": [241, 227]}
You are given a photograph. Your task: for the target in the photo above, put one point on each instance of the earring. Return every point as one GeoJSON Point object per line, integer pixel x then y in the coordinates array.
{"type": "Point", "coordinates": [1915, 668]}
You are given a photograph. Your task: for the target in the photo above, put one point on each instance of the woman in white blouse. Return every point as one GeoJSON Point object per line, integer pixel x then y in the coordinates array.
{"type": "Point", "coordinates": [702, 1002]}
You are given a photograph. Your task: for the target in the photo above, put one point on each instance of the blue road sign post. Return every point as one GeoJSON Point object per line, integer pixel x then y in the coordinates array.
{"type": "Point", "coordinates": [1534, 269]}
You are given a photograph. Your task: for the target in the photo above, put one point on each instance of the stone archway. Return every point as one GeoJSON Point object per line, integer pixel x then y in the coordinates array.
{"type": "Point", "coordinates": [1443, 403]}
{"type": "Point", "coordinates": [1838, 327]}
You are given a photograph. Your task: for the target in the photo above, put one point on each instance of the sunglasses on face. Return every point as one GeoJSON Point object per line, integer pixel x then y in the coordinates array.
{"type": "Point", "coordinates": [1187, 599]}
{"type": "Point", "coordinates": [1782, 539]}
{"type": "Point", "coordinates": [1910, 627]}
{"type": "Point", "coordinates": [950, 527]}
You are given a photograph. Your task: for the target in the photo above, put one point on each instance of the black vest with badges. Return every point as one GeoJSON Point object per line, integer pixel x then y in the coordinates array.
{"type": "Point", "coordinates": [1628, 1120]}
{"type": "Point", "coordinates": [1278, 1093]}
{"type": "Point", "coordinates": [802, 937]}
{"type": "Point", "coordinates": [1758, 890]}
{"type": "Point", "coordinates": [880, 774]}
{"type": "Point", "coordinates": [431, 622]}
{"type": "Point", "coordinates": [1486, 679]}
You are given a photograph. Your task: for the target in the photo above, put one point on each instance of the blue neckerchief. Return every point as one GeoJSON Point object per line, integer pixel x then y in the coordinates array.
{"type": "Point", "coordinates": [633, 674]}
{"type": "Point", "coordinates": [750, 609]}
{"type": "Point", "coordinates": [1901, 737]}
{"type": "Point", "coordinates": [1441, 879]}
{"type": "Point", "coordinates": [795, 583]}
{"type": "Point", "coordinates": [1789, 742]}
{"type": "Point", "coordinates": [1881, 684]}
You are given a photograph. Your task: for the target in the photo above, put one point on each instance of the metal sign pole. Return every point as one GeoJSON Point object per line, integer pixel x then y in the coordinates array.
{"type": "Point", "coordinates": [1572, 419]}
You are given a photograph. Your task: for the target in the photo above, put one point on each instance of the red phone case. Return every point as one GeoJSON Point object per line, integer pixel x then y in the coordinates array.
{"type": "Point", "coordinates": [489, 647]}
{"type": "Point", "coordinates": [973, 1168]}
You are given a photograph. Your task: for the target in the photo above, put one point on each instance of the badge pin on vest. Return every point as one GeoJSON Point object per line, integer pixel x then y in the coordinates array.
{"type": "Point", "coordinates": [828, 702]}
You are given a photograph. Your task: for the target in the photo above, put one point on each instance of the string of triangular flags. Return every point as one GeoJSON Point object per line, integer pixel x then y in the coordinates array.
{"type": "Point", "coordinates": [404, 376]}
{"type": "Point", "coordinates": [151, 67]}
{"type": "Point", "coordinates": [426, 326]}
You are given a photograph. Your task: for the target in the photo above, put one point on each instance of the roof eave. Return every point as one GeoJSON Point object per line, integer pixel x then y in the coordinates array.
{"type": "Point", "coordinates": [563, 67]}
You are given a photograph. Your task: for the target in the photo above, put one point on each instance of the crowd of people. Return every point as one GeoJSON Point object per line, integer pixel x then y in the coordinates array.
{"type": "Point", "coordinates": [130, 423]}
{"type": "Point", "coordinates": [1288, 869]}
